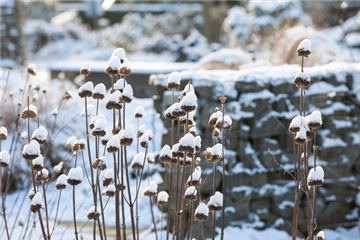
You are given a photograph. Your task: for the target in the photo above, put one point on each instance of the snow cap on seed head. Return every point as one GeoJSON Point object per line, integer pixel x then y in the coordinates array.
{"type": "Point", "coordinates": [304, 48]}
{"type": "Point", "coordinates": [139, 112]}
{"type": "Point", "coordinates": [150, 158]}
{"type": "Point", "coordinates": [320, 236]}
{"type": "Point", "coordinates": [174, 81]}
{"type": "Point", "coordinates": [120, 53]}
{"type": "Point", "coordinates": [113, 65]}
{"type": "Point", "coordinates": [216, 202]}
{"type": "Point", "coordinates": [3, 133]}
{"type": "Point", "coordinates": [127, 94]}
{"type": "Point", "coordinates": [40, 134]}
{"type": "Point", "coordinates": [31, 68]}
{"type": "Point", "coordinates": [201, 212]}
{"type": "Point", "coordinates": [4, 158]}
{"type": "Point", "coordinates": [162, 198]}
{"type": "Point", "coordinates": [31, 150]}
{"type": "Point", "coordinates": [99, 91]}
{"type": "Point", "coordinates": [86, 90]}
{"type": "Point", "coordinates": [137, 162]}
{"type": "Point", "coordinates": [85, 69]}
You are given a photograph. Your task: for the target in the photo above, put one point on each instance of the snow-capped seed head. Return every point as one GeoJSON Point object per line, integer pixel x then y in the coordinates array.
{"type": "Point", "coordinates": [216, 202]}
{"type": "Point", "coordinates": [162, 198]}
{"type": "Point", "coordinates": [38, 163]}
{"type": "Point", "coordinates": [127, 136]}
{"type": "Point", "coordinates": [187, 143]}
{"type": "Point", "coordinates": [100, 163]}
{"type": "Point", "coordinates": [75, 176]}
{"type": "Point", "coordinates": [139, 112]}
{"type": "Point", "coordinates": [31, 69]}
{"type": "Point", "coordinates": [151, 189]}
{"type": "Point", "coordinates": [190, 193]}
{"type": "Point", "coordinates": [108, 177]}
{"type": "Point", "coordinates": [188, 88]}
{"type": "Point", "coordinates": [125, 69]}
{"type": "Point", "coordinates": [138, 160]}
{"type": "Point", "coordinates": [302, 79]}
{"type": "Point", "coordinates": [86, 90]}
{"type": "Point", "coordinates": [23, 135]}
{"type": "Point", "coordinates": [176, 110]}
{"type": "Point", "coordinates": [113, 144]}
{"type": "Point", "coordinates": [120, 53]}
{"type": "Point", "coordinates": [304, 48]}
{"type": "Point", "coordinates": [201, 212]}
{"type": "Point", "coordinates": [316, 177]}
{"type": "Point", "coordinates": [55, 112]}
{"type": "Point", "coordinates": [31, 150]}
{"type": "Point", "coordinates": [165, 154]}
{"type": "Point", "coordinates": [197, 141]}
{"type": "Point", "coordinates": [193, 131]}
{"type": "Point", "coordinates": [150, 158]}
{"type": "Point", "coordinates": [71, 141]}
{"type": "Point", "coordinates": [113, 102]}
{"type": "Point", "coordinates": [61, 182]}
{"type": "Point", "coordinates": [314, 120]}
{"type": "Point", "coordinates": [67, 95]}
{"type": "Point", "coordinates": [40, 135]}
{"type": "Point", "coordinates": [120, 84]}
{"type": "Point", "coordinates": [113, 66]}
{"type": "Point", "coordinates": [176, 153]}
{"type": "Point", "coordinates": [42, 176]}
{"type": "Point", "coordinates": [168, 114]}
{"type": "Point", "coordinates": [31, 194]}
{"type": "Point", "coordinates": [141, 130]}
{"type": "Point", "coordinates": [295, 124]}
{"type": "Point", "coordinates": [110, 190]}
{"type": "Point", "coordinates": [85, 69]}
{"type": "Point", "coordinates": [195, 177]}
{"type": "Point", "coordinates": [144, 141]}
{"type": "Point", "coordinates": [4, 158]}
{"type": "Point", "coordinates": [127, 94]}
{"type": "Point", "coordinates": [344, 6]}
{"type": "Point", "coordinates": [82, 143]}
{"type": "Point", "coordinates": [106, 138]}
{"type": "Point", "coordinates": [197, 160]}
{"type": "Point", "coordinates": [150, 134]}
{"type": "Point", "coordinates": [300, 136]}
{"type": "Point", "coordinates": [320, 236]}
{"type": "Point", "coordinates": [216, 132]}
{"type": "Point", "coordinates": [224, 123]}
{"type": "Point", "coordinates": [173, 82]}
{"type": "Point", "coordinates": [36, 203]}
{"type": "Point", "coordinates": [93, 213]}
{"type": "Point", "coordinates": [99, 91]}
{"type": "Point", "coordinates": [58, 167]}
{"type": "Point", "coordinates": [99, 128]}
{"type": "Point", "coordinates": [190, 121]}
{"type": "Point", "coordinates": [29, 112]}
{"type": "Point", "coordinates": [188, 103]}
{"type": "Point", "coordinates": [3, 133]}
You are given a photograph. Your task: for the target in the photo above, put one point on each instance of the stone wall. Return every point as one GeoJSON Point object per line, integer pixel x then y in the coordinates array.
{"type": "Point", "coordinates": [262, 102]}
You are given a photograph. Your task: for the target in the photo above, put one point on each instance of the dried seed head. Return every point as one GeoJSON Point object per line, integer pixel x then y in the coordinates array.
{"type": "Point", "coordinates": [61, 182]}
{"type": "Point", "coordinates": [304, 48]}
{"type": "Point", "coordinates": [222, 100]}
{"type": "Point", "coordinates": [162, 198]}
{"type": "Point", "coordinates": [4, 158]}
{"type": "Point", "coordinates": [3, 133]}
{"type": "Point", "coordinates": [31, 69]}
{"type": "Point", "coordinates": [85, 69]}
{"type": "Point", "coordinates": [67, 95]}
{"type": "Point", "coordinates": [29, 112]}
